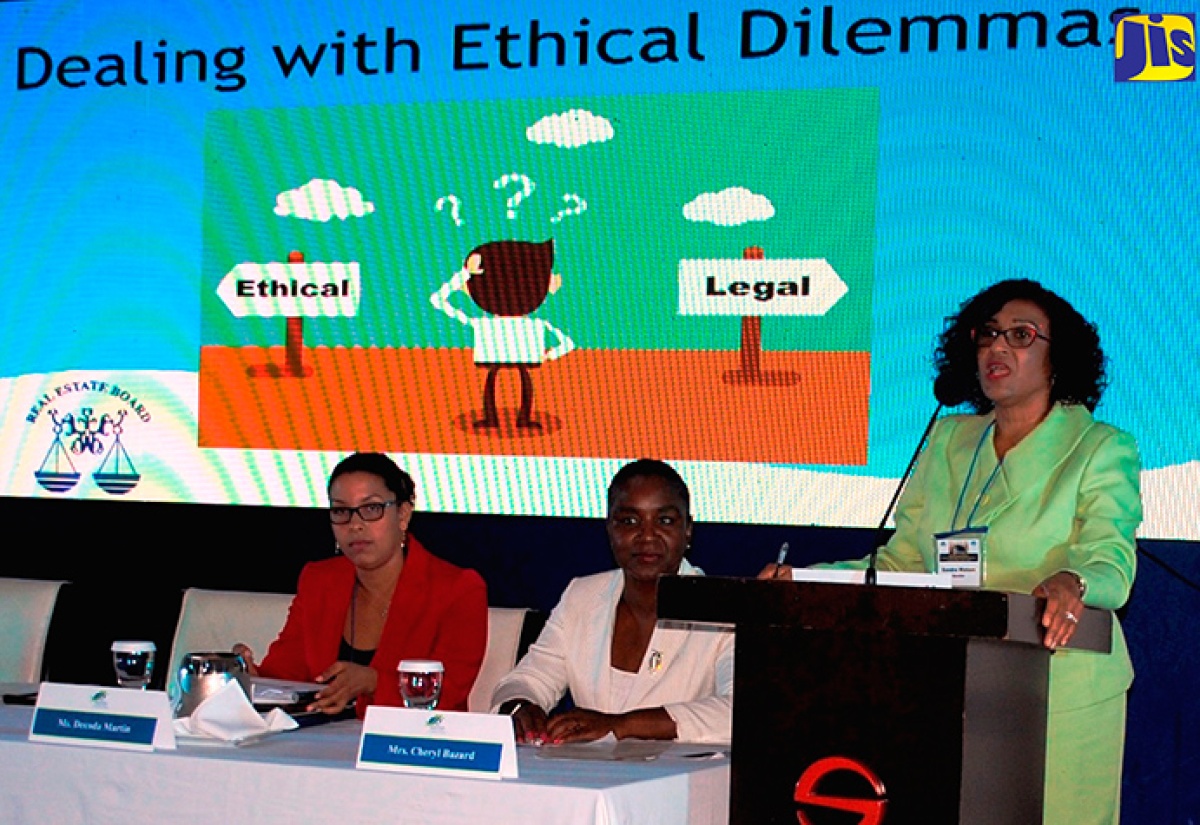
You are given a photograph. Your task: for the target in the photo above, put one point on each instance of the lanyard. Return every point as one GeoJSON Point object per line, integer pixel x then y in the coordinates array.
{"type": "Point", "coordinates": [967, 482]}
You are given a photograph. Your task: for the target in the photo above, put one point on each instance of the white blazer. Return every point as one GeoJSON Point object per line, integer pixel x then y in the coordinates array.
{"type": "Point", "coordinates": [687, 672]}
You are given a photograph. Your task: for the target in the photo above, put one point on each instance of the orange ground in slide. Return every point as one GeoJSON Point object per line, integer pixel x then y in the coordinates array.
{"type": "Point", "coordinates": [597, 403]}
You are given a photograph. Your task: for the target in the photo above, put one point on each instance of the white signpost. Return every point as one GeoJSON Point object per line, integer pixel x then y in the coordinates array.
{"type": "Point", "coordinates": [752, 287]}
{"type": "Point", "coordinates": [294, 290]}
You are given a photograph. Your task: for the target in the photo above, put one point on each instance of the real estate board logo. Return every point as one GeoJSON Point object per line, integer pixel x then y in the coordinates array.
{"type": "Point", "coordinates": [1155, 48]}
{"type": "Point", "coordinates": [92, 433]}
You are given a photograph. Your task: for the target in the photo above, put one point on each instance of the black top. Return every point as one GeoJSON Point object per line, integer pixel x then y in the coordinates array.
{"type": "Point", "coordinates": [353, 655]}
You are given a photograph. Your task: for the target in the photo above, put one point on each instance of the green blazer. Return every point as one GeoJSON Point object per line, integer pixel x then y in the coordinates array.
{"type": "Point", "coordinates": [1065, 498]}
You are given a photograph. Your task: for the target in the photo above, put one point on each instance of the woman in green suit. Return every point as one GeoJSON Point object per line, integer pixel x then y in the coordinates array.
{"type": "Point", "coordinates": [1058, 495]}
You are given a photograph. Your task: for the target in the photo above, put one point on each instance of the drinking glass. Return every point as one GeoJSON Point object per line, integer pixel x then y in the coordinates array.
{"type": "Point", "coordinates": [133, 663]}
{"type": "Point", "coordinates": [420, 683]}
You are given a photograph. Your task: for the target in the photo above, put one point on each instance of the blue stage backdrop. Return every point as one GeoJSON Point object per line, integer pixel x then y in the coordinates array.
{"type": "Point", "coordinates": [235, 233]}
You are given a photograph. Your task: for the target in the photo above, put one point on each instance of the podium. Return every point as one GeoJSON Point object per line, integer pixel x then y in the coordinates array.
{"type": "Point", "coordinates": [865, 705]}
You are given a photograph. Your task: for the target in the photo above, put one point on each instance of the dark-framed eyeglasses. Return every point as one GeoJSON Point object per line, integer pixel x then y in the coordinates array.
{"type": "Point", "coordinates": [371, 511]}
{"type": "Point", "coordinates": [1020, 336]}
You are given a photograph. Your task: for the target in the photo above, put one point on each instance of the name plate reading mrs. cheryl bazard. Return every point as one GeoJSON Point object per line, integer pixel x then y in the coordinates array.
{"type": "Point", "coordinates": [438, 742]}
{"type": "Point", "coordinates": [102, 717]}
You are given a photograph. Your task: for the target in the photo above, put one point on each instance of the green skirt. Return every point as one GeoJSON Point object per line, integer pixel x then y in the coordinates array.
{"type": "Point", "coordinates": [1084, 750]}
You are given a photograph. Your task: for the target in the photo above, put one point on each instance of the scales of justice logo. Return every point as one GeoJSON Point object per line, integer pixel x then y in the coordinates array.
{"type": "Point", "coordinates": [85, 434]}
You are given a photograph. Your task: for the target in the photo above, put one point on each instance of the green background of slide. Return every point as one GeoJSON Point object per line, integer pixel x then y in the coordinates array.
{"type": "Point", "coordinates": [813, 153]}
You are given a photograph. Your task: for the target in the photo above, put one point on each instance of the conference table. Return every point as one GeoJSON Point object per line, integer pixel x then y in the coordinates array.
{"type": "Point", "coordinates": [308, 775]}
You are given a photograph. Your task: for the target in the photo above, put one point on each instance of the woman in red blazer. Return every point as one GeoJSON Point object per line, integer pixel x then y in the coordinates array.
{"type": "Point", "coordinates": [384, 599]}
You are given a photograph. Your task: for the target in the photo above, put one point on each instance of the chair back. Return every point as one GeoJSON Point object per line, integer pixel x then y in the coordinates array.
{"type": "Point", "coordinates": [216, 620]}
{"type": "Point", "coordinates": [25, 610]}
{"type": "Point", "coordinates": [503, 643]}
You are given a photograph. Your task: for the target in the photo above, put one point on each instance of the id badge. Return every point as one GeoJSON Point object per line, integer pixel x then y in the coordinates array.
{"type": "Point", "coordinates": [959, 554]}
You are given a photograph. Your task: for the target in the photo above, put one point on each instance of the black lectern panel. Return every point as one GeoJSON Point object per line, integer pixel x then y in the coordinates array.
{"type": "Point", "coordinates": [884, 704]}
{"type": "Point", "coordinates": [866, 705]}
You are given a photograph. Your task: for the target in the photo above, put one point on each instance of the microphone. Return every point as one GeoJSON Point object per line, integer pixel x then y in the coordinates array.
{"type": "Point", "coordinates": [944, 395]}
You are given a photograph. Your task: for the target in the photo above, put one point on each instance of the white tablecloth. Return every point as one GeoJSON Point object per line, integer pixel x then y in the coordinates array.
{"type": "Point", "coordinates": [308, 776]}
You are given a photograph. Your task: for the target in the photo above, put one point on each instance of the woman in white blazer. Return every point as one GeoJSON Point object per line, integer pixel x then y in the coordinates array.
{"type": "Point", "coordinates": [627, 675]}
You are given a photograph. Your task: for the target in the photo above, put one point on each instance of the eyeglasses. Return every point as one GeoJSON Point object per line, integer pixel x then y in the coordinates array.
{"type": "Point", "coordinates": [371, 511]}
{"type": "Point", "coordinates": [1020, 336]}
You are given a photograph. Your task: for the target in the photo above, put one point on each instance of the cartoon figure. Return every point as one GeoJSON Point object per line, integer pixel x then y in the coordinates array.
{"type": "Point", "coordinates": [508, 280]}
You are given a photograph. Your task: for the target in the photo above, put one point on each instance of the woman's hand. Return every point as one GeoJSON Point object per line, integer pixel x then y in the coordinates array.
{"type": "Point", "coordinates": [343, 682]}
{"type": "Point", "coordinates": [1064, 608]}
{"type": "Point", "coordinates": [582, 726]}
{"type": "Point", "coordinates": [529, 722]}
{"type": "Point", "coordinates": [247, 656]}
{"type": "Point", "coordinates": [776, 571]}
{"type": "Point", "coordinates": [589, 725]}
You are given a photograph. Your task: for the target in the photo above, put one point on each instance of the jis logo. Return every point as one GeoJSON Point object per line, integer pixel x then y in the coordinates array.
{"type": "Point", "coordinates": [1156, 48]}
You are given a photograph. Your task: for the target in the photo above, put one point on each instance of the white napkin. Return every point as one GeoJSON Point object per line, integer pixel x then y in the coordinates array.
{"type": "Point", "coordinates": [228, 716]}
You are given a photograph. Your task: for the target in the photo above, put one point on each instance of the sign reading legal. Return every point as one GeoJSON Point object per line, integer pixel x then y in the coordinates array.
{"type": "Point", "coordinates": [749, 286]}
{"type": "Point", "coordinates": [297, 289]}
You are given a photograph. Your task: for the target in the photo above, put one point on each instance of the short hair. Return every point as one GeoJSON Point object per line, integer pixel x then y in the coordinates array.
{"type": "Point", "coordinates": [1077, 363]}
{"type": "Point", "coordinates": [649, 468]}
{"type": "Point", "coordinates": [515, 278]}
{"type": "Point", "coordinates": [378, 464]}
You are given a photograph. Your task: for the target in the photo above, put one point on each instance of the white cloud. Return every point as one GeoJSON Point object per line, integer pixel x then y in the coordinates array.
{"type": "Point", "coordinates": [729, 207]}
{"type": "Point", "coordinates": [321, 200]}
{"type": "Point", "coordinates": [571, 129]}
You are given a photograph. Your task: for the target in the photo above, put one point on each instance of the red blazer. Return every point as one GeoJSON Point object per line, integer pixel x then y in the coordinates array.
{"type": "Point", "coordinates": [438, 611]}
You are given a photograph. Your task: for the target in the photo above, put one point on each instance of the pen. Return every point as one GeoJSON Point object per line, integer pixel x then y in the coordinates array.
{"type": "Point", "coordinates": [781, 558]}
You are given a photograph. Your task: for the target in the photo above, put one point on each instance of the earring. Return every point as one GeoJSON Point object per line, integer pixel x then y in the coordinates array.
{"type": "Point", "coordinates": [337, 549]}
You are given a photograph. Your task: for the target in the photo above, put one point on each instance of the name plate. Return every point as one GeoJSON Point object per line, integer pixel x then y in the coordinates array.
{"type": "Point", "coordinates": [436, 742]}
{"type": "Point", "coordinates": [886, 578]}
{"type": "Point", "coordinates": [102, 717]}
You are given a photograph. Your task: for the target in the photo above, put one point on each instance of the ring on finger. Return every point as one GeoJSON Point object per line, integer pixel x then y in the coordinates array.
{"type": "Point", "coordinates": [1072, 618]}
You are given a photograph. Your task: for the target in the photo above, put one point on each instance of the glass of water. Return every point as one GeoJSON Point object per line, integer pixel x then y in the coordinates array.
{"type": "Point", "coordinates": [133, 663]}
{"type": "Point", "coordinates": [420, 683]}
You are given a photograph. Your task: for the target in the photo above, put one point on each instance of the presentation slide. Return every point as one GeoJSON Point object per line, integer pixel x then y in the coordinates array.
{"type": "Point", "coordinates": [517, 244]}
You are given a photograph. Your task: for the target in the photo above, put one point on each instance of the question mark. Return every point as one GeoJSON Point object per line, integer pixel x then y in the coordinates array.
{"type": "Point", "coordinates": [527, 187]}
{"type": "Point", "coordinates": [454, 202]}
{"type": "Point", "coordinates": [570, 209]}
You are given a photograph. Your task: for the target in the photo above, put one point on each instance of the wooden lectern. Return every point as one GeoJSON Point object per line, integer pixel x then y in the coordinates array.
{"type": "Point", "coordinates": [863, 705]}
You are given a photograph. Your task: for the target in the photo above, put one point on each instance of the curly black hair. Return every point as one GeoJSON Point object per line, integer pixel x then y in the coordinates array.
{"type": "Point", "coordinates": [1077, 362]}
{"type": "Point", "coordinates": [649, 468]}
